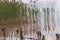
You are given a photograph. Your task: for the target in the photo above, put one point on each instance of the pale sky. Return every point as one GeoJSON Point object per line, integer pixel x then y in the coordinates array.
{"type": "Point", "coordinates": [27, 1]}
{"type": "Point", "coordinates": [57, 6]}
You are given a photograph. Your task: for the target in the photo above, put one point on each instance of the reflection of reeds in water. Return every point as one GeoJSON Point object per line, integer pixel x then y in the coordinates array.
{"type": "Point", "coordinates": [48, 19]}
{"type": "Point", "coordinates": [31, 22]}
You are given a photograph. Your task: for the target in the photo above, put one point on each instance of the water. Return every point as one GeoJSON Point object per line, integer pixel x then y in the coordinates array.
{"type": "Point", "coordinates": [44, 23]}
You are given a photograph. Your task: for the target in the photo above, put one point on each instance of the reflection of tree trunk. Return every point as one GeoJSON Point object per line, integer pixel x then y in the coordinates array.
{"type": "Point", "coordinates": [21, 33]}
{"type": "Point", "coordinates": [13, 1]}
{"type": "Point", "coordinates": [36, 24]}
{"type": "Point", "coordinates": [43, 37]}
{"type": "Point", "coordinates": [45, 19]}
{"type": "Point", "coordinates": [57, 36]}
{"type": "Point", "coordinates": [33, 24]}
{"type": "Point", "coordinates": [4, 33]}
{"type": "Point", "coordinates": [45, 22]}
{"type": "Point", "coordinates": [26, 23]}
{"type": "Point", "coordinates": [39, 22]}
{"type": "Point", "coordinates": [48, 19]}
{"type": "Point", "coordinates": [5, 0]}
{"type": "Point", "coordinates": [53, 17]}
{"type": "Point", "coordinates": [39, 35]}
